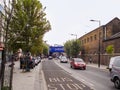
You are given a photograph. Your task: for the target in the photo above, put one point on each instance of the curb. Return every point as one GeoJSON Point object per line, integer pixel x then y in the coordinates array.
{"type": "Point", "coordinates": [104, 68]}
{"type": "Point", "coordinates": [42, 78]}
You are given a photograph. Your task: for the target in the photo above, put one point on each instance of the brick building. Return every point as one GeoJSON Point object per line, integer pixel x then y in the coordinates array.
{"type": "Point", "coordinates": [98, 39]}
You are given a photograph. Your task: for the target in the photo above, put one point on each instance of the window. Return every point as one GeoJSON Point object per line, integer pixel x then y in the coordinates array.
{"type": "Point", "coordinates": [100, 34]}
{"type": "Point", "coordinates": [117, 62]}
{"type": "Point", "coordinates": [91, 38]}
{"type": "Point", "coordinates": [95, 37]}
{"type": "Point", "coordinates": [88, 39]}
{"type": "Point", "coordinates": [84, 40]}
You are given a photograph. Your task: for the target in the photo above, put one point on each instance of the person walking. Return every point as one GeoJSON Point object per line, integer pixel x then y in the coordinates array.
{"type": "Point", "coordinates": [22, 62]}
{"type": "Point", "coordinates": [27, 61]}
{"type": "Point", "coordinates": [90, 60]}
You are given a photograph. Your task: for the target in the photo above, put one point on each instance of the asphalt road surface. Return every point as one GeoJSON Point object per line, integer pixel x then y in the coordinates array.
{"type": "Point", "coordinates": [97, 78]}
{"type": "Point", "coordinates": [58, 79]}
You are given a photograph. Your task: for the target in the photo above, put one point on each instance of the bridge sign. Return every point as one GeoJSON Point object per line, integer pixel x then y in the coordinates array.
{"type": "Point", "coordinates": [56, 49]}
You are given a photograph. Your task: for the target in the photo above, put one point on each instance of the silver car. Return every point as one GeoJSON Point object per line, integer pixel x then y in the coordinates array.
{"type": "Point", "coordinates": [63, 59]}
{"type": "Point", "coordinates": [115, 72]}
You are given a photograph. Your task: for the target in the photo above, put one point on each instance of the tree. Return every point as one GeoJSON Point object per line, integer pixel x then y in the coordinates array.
{"type": "Point", "coordinates": [67, 47]}
{"type": "Point", "coordinates": [28, 24]}
{"type": "Point", "coordinates": [6, 17]}
{"type": "Point", "coordinates": [37, 48]}
{"type": "Point", "coordinates": [45, 49]}
{"type": "Point", "coordinates": [24, 25]}
{"type": "Point", "coordinates": [75, 48]}
{"type": "Point", "coordinates": [72, 48]}
{"type": "Point", "coordinates": [110, 49]}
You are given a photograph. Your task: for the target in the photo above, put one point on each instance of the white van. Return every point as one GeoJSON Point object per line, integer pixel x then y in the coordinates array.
{"type": "Point", "coordinates": [112, 60]}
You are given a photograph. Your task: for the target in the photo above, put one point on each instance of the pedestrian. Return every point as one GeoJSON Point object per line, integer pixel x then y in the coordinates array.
{"type": "Point", "coordinates": [22, 64]}
{"type": "Point", "coordinates": [12, 59]}
{"type": "Point", "coordinates": [28, 61]}
{"type": "Point", "coordinates": [90, 60]}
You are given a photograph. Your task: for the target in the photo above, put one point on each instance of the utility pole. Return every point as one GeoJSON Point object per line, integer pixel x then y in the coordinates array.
{"type": "Point", "coordinates": [98, 41]}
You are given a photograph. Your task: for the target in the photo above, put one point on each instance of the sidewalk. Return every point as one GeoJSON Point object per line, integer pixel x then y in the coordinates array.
{"type": "Point", "coordinates": [34, 80]}
{"type": "Point", "coordinates": [96, 66]}
{"type": "Point", "coordinates": [26, 80]}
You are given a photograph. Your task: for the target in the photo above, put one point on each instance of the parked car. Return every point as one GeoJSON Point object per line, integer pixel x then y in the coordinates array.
{"type": "Point", "coordinates": [112, 60]}
{"type": "Point", "coordinates": [59, 57]}
{"type": "Point", "coordinates": [115, 72]}
{"type": "Point", "coordinates": [37, 60]}
{"type": "Point", "coordinates": [63, 59]}
{"type": "Point", "coordinates": [77, 63]}
{"type": "Point", "coordinates": [32, 63]}
{"type": "Point", "coordinates": [50, 58]}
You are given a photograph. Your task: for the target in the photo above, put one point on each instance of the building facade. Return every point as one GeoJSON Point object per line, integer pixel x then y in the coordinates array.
{"type": "Point", "coordinates": [95, 42]}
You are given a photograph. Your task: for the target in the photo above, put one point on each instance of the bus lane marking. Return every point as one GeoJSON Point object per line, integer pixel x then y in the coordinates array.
{"type": "Point", "coordinates": [90, 83]}
{"type": "Point", "coordinates": [73, 86]}
{"type": "Point", "coordinates": [50, 87]}
{"type": "Point", "coordinates": [62, 86]}
{"type": "Point", "coordinates": [78, 86]}
{"type": "Point", "coordinates": [68, 84]}
{"type": "Point", "coordinates": [60, 79]}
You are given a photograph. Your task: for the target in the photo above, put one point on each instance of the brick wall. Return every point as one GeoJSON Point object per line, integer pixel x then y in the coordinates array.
{"type": "Point", "coordinates": [90, 42]}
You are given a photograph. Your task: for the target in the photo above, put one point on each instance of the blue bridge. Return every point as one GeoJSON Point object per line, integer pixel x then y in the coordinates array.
{"type": "Point", "coordinates": [53, 49]}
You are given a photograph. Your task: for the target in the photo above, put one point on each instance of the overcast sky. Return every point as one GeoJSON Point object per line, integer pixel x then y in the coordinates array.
{"type": "Point", "coordinates": [73, 17]}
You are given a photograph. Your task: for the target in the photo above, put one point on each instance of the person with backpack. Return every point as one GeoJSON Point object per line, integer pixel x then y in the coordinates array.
{"type": "Point", "coordinates": [28, 59]}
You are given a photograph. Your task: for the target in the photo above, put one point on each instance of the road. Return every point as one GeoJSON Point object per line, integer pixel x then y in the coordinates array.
{"type": "Point", "coordinates": [94, 77]}
{"type": "Point", "coordinates": [58, 79]}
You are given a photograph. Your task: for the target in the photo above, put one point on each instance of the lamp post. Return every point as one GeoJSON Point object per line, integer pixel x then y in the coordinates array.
{"type": "Point", "coordinates": [45, 41]}
{"type": "Point", "coordinates": [74, 35]}
{"type": "Point", "coordinates": [98, 42]}
{"type": "Point", "coordinates": [96, 21]}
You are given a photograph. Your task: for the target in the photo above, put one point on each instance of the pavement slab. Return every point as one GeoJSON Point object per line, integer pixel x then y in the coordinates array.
{"type": "Point", "coordinates": [25, 80]}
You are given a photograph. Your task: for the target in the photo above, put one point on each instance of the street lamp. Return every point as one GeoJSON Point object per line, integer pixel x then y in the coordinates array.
{"type": "Point", "coordinates": [74, 35]}
{"type": "Point", "coordinates": [45, 41]}
{"type": "Point", "coordinates": [99, 42]}
{"type": "Point", "coordinates": [96, 21]}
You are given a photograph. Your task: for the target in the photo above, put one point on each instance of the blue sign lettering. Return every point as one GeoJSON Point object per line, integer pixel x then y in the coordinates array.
{"type": "Point", "coordinates": [56, 49]}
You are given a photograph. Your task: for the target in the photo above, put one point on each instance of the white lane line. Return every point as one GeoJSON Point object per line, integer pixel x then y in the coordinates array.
{"type": "Point", "coordinates": [62, 87]}
{"type": "Point", "coordinates": [77, 76]}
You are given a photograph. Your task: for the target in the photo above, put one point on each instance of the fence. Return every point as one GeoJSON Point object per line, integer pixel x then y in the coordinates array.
{"type": "Point", "coordinates": [6, 75]}
{"type": "Point", "coordinates": [104, 58]}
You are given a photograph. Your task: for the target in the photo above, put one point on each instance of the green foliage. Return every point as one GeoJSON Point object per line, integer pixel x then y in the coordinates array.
{"type": "Point", "coordinates": [75, 48]}
{"type": "Point", "coordinates": [110, 49]}
{"type": "Point", "coordinates": [28, 26]}
{"type": "Point", "coordinates": [72, 48]}
{"type": "Point", "coordinates": [37, 47]}
{"type": "Point", "coordinates": [5, 88]}
{"type": "Point", "coordinates": [67, 47]}
{"type": "Point", "coordinates": [45, 49]}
